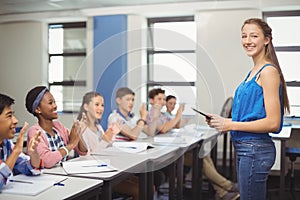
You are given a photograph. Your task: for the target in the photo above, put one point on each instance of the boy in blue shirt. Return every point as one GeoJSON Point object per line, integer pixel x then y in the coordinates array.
{"type": "Point", "coordinates": [12, 160]}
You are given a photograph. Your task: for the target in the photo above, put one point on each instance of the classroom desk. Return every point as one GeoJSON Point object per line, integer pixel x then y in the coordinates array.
{"type": "Point", "coordinates": [283, 136]}
{"type": "Point", "coordinates": [145, 163]}
{"type": "Point", "coordinates": [74, 188]}
{"type": "Point", "coordinates": [142, 163]}
{"type": "Point", "coordinates": [198, 140]}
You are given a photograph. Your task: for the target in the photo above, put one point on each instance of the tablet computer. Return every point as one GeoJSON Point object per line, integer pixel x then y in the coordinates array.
{"type": "Point", "coordinates": [201, 113]}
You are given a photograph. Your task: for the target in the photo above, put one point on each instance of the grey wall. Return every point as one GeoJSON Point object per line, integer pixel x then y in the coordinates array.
{"type": "Point", "coordinates": [22, 62]}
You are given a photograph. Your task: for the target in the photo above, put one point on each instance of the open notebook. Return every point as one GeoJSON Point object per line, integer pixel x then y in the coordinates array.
{"type": "Point", "coordinates": [86, 166]}
{"type": "Point", "coordinates": [118, 148]}
{"type": "Point", "coordinates": [169, 140]}
{"type": "Point", "coordinates": [30, 185]}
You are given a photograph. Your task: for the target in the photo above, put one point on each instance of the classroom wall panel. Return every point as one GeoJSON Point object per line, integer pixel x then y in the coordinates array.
{"type": "Point", "coordinates": [221, 60]}
{"type": "Point", "coordinates": [110, 59]}
{"type": "Point", "coordinates": [23, 62]}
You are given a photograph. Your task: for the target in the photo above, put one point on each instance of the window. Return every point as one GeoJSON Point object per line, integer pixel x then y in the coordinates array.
{"type": "Point", "coordinates": [286, 34]}
{"type": "Point", "coordinates": [171, 57]}
{"type": "Point", "coordinates": [67, 52]}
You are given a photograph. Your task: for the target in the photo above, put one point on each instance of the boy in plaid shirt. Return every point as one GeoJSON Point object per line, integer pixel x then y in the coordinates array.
{"type": "Point", "coordinates": [12, 160]}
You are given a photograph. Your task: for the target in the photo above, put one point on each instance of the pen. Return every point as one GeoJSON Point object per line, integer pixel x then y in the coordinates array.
{"type": "Point", "coordinates": [102, 165]}
{"type": "Point", "coordinates": [19, 181]}
{"type": "Point", "coordinates": [60, 182]}
{"type": "Point", "coordinates": [129, 147]}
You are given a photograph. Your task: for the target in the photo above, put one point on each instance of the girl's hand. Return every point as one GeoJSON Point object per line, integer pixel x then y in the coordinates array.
{"type": "Point", "coordinates": [116, 127]}
{"type": "Point", "coordinates": [18, 148]}
{"type": "Point", "coordinates": [74, 134]}
{"type": "Point", "coordinates": [221, 124]}
{"type": "Point", "coordinates": [33, 143]}
{"type": "Point", "coordinates": [83, 124]}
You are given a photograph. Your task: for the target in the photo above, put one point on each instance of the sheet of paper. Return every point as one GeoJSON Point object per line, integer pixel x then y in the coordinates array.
{"type": "Point", "coordinates": [86, 166]}
{"type": "Point", "coordinates": [30, 185]}
{"type": "Point", "coordinates": [132, 147]}
{"type": "Point", "coordinates": [169, 140]}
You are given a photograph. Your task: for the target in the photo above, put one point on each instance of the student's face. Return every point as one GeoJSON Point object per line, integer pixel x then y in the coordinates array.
{"type": "Point", "coordinates": [8, 123]}
{"type": "Point", "coordinates": [95, 108]}
{"type": "Point", "coordinates": [47, 107]}
{"type": "Point", "coordinates": [253, 40]}
{"type": "Point", "coordinates": [126, 102]}
{"type": "Point", "coordinates": [159, 99]}
{"type": "Point", "coordinates": [171, 104]}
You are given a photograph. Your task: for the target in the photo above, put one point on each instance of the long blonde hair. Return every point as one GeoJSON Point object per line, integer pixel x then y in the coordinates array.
{"type": "Point", "coordinates": [271, 55]}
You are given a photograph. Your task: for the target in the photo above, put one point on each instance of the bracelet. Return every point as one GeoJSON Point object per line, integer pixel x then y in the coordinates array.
{"type": "Point", "coordinates": [66, 150]}
{"type": "Point", "coordinates": [145, 123]}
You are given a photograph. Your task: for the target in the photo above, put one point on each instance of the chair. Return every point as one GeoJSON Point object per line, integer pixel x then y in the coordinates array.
{"type": "Point", "coordinates": [225, 112]}
{"type": "Point", "coordinates": [293, 152]}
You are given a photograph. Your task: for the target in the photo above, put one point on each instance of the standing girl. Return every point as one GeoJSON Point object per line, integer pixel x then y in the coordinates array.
{"type": "Point", "coordinates": [258, 108]}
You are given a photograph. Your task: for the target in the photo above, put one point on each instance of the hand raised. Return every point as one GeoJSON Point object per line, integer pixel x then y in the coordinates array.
{"type": "Point", "coordinates": [33, 143]}
{"type": "Point", "coordinates": [20, 140]}
{"type": "Point", "coordinates": [74, 134]}
{"type": "Point", "coordinates": [143, 111]}
{"type": "Point", "coordinates": [83, 124]}
{"type": "Point", "coordinates": [180, 108]}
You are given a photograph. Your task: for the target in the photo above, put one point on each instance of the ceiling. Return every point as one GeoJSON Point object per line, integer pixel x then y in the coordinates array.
{"type": "Point", "coordinates": [10, 7]}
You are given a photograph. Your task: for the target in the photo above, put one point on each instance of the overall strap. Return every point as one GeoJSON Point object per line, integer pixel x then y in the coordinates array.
{"type": "Point", "coordinates": [258, 72]}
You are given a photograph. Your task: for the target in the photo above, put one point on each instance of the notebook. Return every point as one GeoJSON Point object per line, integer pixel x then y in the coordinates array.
{"type": "Point", "coordinates": [30, 185]}
{"type": "Point", "coordinates": [86, 166]}
{"type": "Point", "coordinates": [123, 148]}
{"type": "Point", "coordinates": [169, 140]}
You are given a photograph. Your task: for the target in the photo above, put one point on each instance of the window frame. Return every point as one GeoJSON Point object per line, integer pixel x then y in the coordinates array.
{"type": "Point", "coordinates": [67, 83]}
{"type": "Point", "coordinates": [286, 48]}
{"type": "Point", "coordinates": [151, 52]}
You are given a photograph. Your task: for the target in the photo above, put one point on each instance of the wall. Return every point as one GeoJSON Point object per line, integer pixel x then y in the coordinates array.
{"type": "Point", "coordinates": [221, 60]}
{"type": "Point", "coordinates": [136, 58]}
{"type": "Point", "coordinates": [110, 59]}
{"type": "Point", "coordinates": [23, 58]}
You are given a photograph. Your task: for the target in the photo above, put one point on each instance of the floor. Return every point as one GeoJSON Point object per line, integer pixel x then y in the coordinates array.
{"type": "Point", "coordinates": [272, 185]}
{"type": "Point", "coordinates": [208, 194]}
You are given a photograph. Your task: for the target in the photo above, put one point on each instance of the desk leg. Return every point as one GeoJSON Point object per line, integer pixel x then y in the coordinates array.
{"type": "Point", "coordinates": [180, 163]}
{"type": "Point", "coordinates": [282, 171]}
{"type": "Point", "coordinates": [150, 184]}
{"type": "Point", "coordinates": [143, 185]}
{"type": "Point", "coordinates": [107, 190]}
{"type": "Point", "coordinates": [196, 182]}
{"type": "Point", "coordinates": [224, 159]}
{"type": "Point", "coordinates": [171, 168]}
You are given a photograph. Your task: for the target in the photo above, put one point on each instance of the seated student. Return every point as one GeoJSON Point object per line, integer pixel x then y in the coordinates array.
{"type": "Point", "coordinates": [158, 122]}
{"type": "Point", "coordinates": [56, 140]}
{"type": "Point", "coordinates": [12, 160]}
{"type": "Point", "coordinates": [225, 189]}
{"type": "Point", "coordinates": [170, 106]}
{"type": "Point", "coordinates": [96, 139]}
{"type": "Point", "coordinates": [92, 134]}
{"type": "Point", "coordinates": [132, 125]}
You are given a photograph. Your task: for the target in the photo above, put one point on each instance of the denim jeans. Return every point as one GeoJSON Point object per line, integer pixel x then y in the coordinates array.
{"type": "Point", "coordinates": [254, 159]}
